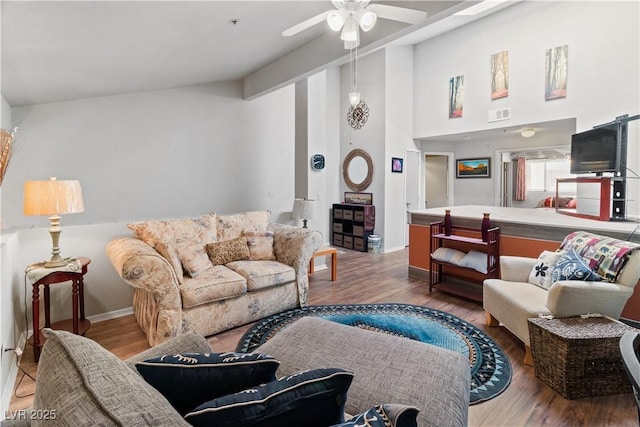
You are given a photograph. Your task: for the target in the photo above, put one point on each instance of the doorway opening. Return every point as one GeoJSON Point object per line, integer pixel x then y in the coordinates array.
{"type": "Point", "coordinates": [438, 179]}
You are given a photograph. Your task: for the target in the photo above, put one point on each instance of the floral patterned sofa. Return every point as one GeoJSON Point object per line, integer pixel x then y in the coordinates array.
{"type": "Point", "coordinates": [212, 273]}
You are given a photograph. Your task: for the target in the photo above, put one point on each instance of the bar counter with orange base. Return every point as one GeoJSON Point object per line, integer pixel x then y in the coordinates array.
{"type": "Point", "coordinates": [523, 232]}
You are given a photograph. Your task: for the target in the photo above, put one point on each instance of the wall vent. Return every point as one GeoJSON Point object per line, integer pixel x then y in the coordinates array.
{"type": "Point", "coordinates": [499, 114]}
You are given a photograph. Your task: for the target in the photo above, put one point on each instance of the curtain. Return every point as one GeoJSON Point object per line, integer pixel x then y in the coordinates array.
{"type": "Point", "coordinates": [521, 188]}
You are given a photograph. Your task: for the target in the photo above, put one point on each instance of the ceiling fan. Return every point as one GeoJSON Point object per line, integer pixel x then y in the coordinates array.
{"type": "Point", "coordinates": [349, 14]}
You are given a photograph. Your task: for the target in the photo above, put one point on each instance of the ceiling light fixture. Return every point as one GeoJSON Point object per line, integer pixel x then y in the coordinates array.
{"type": "Point", "coordinates": [348, 18]}
{"type": "Point", "coordinates": [527, 133]}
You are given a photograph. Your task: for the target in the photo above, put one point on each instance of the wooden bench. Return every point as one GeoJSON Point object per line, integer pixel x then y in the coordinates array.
{"type": "Point", "coordinates": [324, 251]}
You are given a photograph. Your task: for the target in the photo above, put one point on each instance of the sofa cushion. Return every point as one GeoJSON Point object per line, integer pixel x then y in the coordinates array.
{"type": "Point", "coordinates": [85, 383]}
{"type": "Point", "coordinates": [450, 255]}
{"type": "Point", "coordinates": [233, 226]}
{"type": "Point", "coordinates": [263, 274]}
{"type": "Point", "coordinates": [215, 284]}
{"type": "Point", "coordinates": [260, 245]}
{"type": "Point", "coordinates": [164, 235]}
{"type": "Point", "coordinates": [193, 257]}
{"type": "Point", "coordinates": [312, 398]}
{"type": "Point", "coordinates": [223, 252]}
{"type": "Point", "coordinates": [189, 379]}
{"type": "Point", "coordinates": [571, 266]}
{"type": "Point", "coordinates": [475, 260]}
{"type": "Point", "coordinates": [542, 271]}
{"type": "Point", "coordinates": [387, 415]}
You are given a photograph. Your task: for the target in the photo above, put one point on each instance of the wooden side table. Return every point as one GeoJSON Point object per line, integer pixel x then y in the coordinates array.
{"type": "Point", "coordinates": [77, 324]}
{"type": "Point", "coordinates": [334, 260]}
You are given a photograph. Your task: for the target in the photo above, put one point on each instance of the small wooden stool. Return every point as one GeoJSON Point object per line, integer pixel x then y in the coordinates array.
{"type": "Point", "coordinates": [334, 260]}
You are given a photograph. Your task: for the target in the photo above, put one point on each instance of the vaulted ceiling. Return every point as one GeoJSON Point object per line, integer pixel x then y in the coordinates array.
{"type": "Point", "coordinates": [63, 50]}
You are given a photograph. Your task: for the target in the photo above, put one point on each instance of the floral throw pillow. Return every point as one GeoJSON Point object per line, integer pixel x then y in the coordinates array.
{"type": "Point", "coordinates": [260, 245]}
{"type": "Point", "coordinates": [194, 258]}
{"type": "Point", "coordinates": [541, 273]}
{"type": "Point", "coordinates": [571, 266]}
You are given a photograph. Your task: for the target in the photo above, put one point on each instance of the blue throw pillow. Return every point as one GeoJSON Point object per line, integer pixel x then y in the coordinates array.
{"type": "Point", "coordinates": [313, 398]}
{"type": "Point", "coordinates": [571, 266]}
{"type": "Point", "coordinates": [385, 416]}
{"type": "Point", "coordinates": [189, 379]}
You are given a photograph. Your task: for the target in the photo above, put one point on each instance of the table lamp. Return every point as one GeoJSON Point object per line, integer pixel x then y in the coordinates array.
{"type": "Point", "coordinates": [53, 198]}
{"type": "Point", "coordinates": [302, 209]}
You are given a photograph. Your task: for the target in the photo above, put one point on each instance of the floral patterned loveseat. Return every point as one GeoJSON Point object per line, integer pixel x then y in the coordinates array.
{"type": "Point", "coordinates": [212, 273]}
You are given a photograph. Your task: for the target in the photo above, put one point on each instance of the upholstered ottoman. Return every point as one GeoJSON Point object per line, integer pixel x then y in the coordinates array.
{"type": "Point", "coordinates": [388, 369]}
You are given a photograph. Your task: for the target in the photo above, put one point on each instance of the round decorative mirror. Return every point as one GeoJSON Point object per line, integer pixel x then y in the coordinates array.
{"type": "Point", "coordinates": [357, 170]}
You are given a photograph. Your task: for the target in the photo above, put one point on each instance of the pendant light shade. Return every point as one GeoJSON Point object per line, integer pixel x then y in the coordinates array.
{"type": "Point", "coordinates": [368, 20]}
{"type": "Point", "coordinates": [354, 98]}
{"type": "Point", "coordinates": [350, 30]}
{"type": "Point", "coordinates": [335, 20]}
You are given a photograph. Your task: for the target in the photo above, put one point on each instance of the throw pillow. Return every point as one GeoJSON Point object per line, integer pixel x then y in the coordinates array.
{"type": "Point", "coordinates": [188, 380]}
{"type": "Point", "coordinates": [476, 260]}
{"type": "Point", "coordinates": [194, 258]}
{"type": "Point", "coordinates": [452, 256]}
{"type": "Point", "coordinates": [163, 235]}
{"type": "Point", "coordinates": [223, 252]}
{"type": "Point", "coordinates": [312, 398]}
{"type": "Point", "coordinates": [260, 245]}
{"type": "Point", "coordinates": [605, 255]}
{"type": "Point", "coordinates": [232, 226]}
{"type": "Point", "coordinates": [87, 385]}
{"type": "Point", "coordinates": [385, 416]}
{"type": "Point", "coordinates": [541, 273]}
{"type": "Point", "coordinates": [571, 266]}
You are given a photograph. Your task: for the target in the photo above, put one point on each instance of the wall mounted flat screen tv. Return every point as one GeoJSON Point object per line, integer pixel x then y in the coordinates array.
{"type": "Point", "coordinates": [596, 150]}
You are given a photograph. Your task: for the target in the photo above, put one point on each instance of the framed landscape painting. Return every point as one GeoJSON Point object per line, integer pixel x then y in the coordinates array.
{"type": "Point", "coordinates": [473, 168]}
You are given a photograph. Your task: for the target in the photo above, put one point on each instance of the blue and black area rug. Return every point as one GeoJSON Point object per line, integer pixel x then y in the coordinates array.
{"type": "Point", "coordinates": [490, 367]}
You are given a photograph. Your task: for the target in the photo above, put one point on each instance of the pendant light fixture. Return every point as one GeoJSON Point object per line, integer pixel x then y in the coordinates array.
{"type": "Point", "coordinates": [358, 113]}
{"type": "Point", "coordinates": [354, 95]}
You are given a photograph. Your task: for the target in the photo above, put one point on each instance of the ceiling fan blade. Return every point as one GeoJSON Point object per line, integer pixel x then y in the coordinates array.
{"type": "Point", "coordinates": [395, 13]}
{"type": "Point", "coordinates": [305, 24]}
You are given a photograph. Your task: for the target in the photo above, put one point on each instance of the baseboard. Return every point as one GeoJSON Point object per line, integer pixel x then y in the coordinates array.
{"type": "Point", "coordinates": [111, 315]}
{"type": "Point", "coordinates": [419, 273]}
{"type": "Point", "coordinates": [394, 249]}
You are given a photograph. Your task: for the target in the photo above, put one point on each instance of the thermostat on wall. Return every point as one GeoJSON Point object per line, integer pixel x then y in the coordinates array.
{"type": "Point", "coordinates": [317, 162]}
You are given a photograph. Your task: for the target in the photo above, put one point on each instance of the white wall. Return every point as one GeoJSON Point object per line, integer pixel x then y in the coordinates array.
{"type": "Point", "coordinates": [371, 137]}
{"type": "Point", "coordinates": [604, 64]}
{"type": "Point", "coordinates": [8, 302]}
{"type": "Point", "coordinates": [162, 154]}
{"type": "Point", "coordinates": [398, 137]}
{"type": "Point", "coordinates": [323, 138]}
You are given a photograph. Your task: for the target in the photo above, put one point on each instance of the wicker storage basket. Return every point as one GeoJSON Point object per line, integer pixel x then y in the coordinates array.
{"type": "Point", "coordinates": [579, 357]}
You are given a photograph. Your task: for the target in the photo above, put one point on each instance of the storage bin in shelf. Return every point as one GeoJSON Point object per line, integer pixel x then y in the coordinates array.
{"type": "Point", "coordinates": [462, 238]}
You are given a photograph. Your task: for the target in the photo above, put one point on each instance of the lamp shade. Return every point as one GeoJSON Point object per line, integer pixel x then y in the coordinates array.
{"type": "Point", "coordinates": [367, 20]}
{"type": "Point", "coordinates": [52, 197]}
{"type": "Point", "coordinates": [302, 209]}
{"type": "Point", "coordinates": [335, 20]}
{"type": "Point", "coordinates": [349, 30]}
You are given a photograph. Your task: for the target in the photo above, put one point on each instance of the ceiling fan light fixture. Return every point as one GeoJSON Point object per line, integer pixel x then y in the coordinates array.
{"type": "Point", "coordinates": [350, 30]}
{"type": "Point", "coordinates": [335, 20]}
{"type": "Point", "coordinates": [368, 20]}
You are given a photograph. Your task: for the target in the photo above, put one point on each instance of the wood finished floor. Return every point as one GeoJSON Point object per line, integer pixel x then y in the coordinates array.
{"type": "Point", "coordinates": [378, 278]}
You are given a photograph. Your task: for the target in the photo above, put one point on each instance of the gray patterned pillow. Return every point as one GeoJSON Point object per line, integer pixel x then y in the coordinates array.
{"type": "Point", "coordinates": [105, 391]}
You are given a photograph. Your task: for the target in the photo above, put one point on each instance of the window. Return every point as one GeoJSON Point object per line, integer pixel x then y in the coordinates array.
{"type": "Point", "coordinates": [542, 174]}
